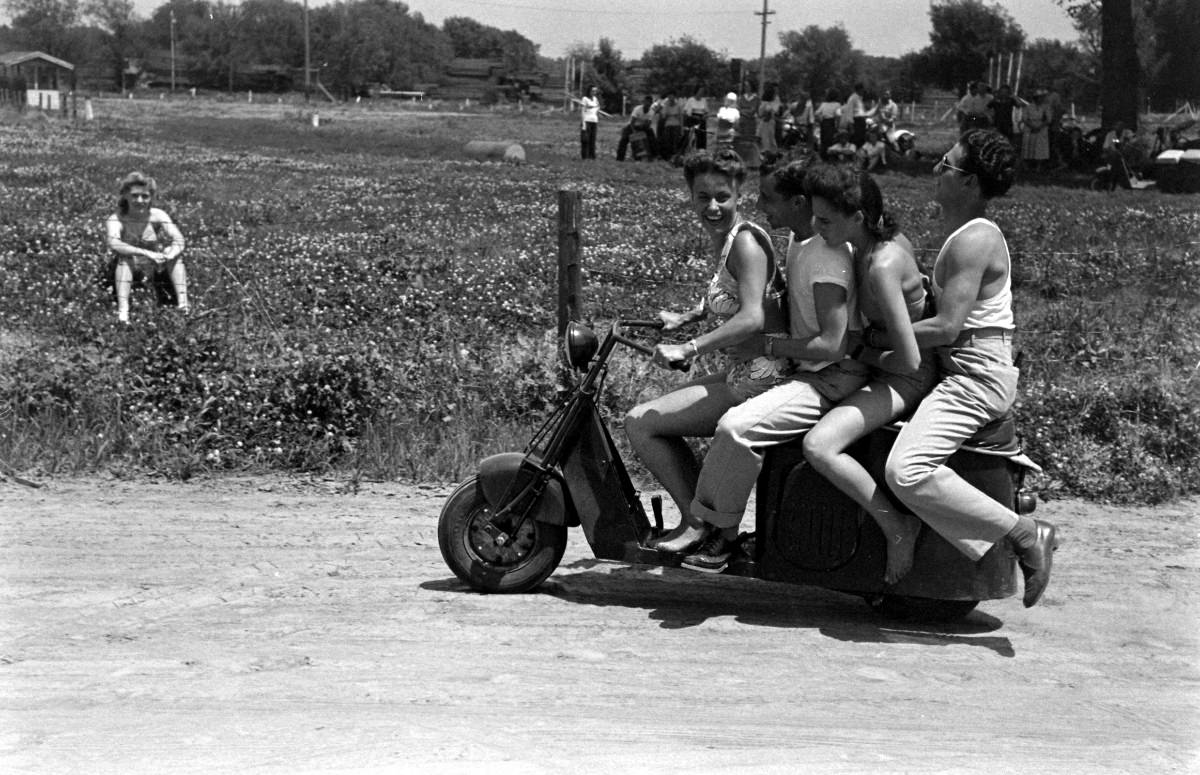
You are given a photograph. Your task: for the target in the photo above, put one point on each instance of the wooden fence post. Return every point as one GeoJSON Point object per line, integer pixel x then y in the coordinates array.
{"type": "Point", "coordinates": [570, 290]}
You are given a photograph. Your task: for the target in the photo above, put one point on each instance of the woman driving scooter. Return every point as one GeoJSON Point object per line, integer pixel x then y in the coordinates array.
{"type": "Point", "coordinates": [746, 295]}
{"type": "Point", "coordinates": [848, 209]}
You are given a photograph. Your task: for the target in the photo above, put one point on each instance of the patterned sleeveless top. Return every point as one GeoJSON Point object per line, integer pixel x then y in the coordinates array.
{"type": "Point", "coordinates": [722, 302]}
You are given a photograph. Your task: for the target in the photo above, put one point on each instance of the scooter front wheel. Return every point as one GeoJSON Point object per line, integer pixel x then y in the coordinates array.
{"type": "Point", "coordinates": [920, 608]}
{"type": "Point", "coordinates": [519, 563]}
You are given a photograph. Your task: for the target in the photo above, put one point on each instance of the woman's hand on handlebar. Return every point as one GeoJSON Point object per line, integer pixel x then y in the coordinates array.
{"type": "Point", "coordinates": [673, 356]}
{"type": "Point", "coordinates": [673, 320]}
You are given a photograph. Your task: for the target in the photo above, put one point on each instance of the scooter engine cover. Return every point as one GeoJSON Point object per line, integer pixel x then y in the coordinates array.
{"type": "Point", "coordinates": [498, 472]}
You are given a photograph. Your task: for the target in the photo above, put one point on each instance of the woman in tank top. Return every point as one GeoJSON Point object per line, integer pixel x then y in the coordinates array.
{"type": "Point", "coordinates": [848, 208]}
{"type": "Point", "coordinates": [746, 297]}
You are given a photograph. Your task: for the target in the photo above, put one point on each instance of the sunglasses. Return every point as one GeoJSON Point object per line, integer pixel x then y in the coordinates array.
{"type": "Point", "coordinates": [944, 164]}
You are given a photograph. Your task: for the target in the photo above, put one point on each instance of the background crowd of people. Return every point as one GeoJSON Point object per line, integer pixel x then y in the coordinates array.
{"type": "Point", "coordinates": [860, 128]}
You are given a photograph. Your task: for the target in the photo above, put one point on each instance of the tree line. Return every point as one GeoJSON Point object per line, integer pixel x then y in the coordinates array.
{"type": "Point", "coordinates": [1133, 51]}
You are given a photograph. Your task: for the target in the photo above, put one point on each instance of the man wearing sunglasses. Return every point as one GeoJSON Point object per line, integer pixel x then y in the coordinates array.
{"type": "Point", "coordinates": [972, 333]}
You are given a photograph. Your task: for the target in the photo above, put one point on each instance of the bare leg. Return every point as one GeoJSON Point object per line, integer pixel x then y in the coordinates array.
{"type": "Point", "coordinates": [123, 281]}
{"type": "Point", "coordinates": [825, 448]}
{"type": "Point", "coordinates": [656, 431]}
{"type": "Point", "coordinates": [179, 281]}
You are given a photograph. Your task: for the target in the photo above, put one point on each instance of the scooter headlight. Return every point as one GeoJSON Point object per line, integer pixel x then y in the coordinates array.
{"type": "Point", "coordinates": [579, 345]}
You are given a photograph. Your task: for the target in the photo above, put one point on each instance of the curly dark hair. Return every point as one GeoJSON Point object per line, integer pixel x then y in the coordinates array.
{"type": "Point", "coordinates": [991, 158]}
{"type": "Point", "coordinates": [849, 191]}
{"type": "Point", "coordinates": [723, 161]}
{"type": "Point", "coordinates": [789, 179]}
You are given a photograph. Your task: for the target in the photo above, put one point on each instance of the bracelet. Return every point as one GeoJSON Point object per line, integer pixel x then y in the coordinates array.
{"type": "Point", "coordinates": [695, 348]}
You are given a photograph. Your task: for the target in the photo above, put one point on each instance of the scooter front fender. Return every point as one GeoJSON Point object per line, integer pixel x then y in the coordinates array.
{"type": "Point", "coordinates": [498, 472]}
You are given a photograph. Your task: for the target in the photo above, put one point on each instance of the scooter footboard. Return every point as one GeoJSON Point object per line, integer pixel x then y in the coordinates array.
{"type": "Point", "coordinates": [808, 531]}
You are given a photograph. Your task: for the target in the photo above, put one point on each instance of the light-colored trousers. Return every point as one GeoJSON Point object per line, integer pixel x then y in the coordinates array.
{"type": "Point", "coordinates": [979, 384]}
{"type": "Point", "coordinates": [735, 456]}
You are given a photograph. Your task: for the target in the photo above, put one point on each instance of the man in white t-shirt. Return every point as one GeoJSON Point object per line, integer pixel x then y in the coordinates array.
{"type": "Point", "coordinates": [822, 309]}
{"type": "Point", "coordinates": [854, 116]}
{"type": "Point", "coordinates": [695, 117]}
{"type": "Point", "coordinates": [589, 109]}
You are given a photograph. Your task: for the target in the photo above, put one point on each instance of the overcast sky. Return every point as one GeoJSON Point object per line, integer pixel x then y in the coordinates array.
{"type": "Point", "coordinates": [731, 27]}
{"type": "Point", "coordinates": [881, 27]}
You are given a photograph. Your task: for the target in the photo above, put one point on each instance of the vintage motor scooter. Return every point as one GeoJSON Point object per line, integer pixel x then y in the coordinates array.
{"type": "Point", "coordinates": [505, 529]}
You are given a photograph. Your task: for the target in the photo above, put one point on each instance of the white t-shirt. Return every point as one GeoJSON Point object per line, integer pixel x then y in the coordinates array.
{"type": "Point", "coordinates": [808, 263]}
{"type": "Point", "coordinates": [590, 107]}
{"type": "Point", "coordinates": [695, 106]}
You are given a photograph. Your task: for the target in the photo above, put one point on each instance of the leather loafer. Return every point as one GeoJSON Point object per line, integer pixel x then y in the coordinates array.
{"type": "Point", "coordinates": [1037, 561]}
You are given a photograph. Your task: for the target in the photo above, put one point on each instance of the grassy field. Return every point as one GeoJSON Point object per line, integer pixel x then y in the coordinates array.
{"type": "Point", "coordinates": [368, 301]}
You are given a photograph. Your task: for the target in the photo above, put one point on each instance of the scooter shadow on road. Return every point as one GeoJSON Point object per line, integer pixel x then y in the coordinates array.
{"type": "Point", "coordinates": [679, 599]}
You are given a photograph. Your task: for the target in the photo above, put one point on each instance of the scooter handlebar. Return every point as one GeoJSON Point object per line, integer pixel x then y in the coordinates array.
{"type": "Point", "coordinates": [676, 365]}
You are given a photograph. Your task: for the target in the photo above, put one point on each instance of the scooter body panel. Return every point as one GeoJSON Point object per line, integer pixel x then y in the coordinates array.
{"type": "Point", "coordinates": [809, 532]}
{"type": "Point", "coordinates": [601, 493]}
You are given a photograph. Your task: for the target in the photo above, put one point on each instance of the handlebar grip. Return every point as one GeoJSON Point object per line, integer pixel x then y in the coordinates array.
{"type": "Point", "coordinates": [681, 366]}
{"type": "Point", "coordinates": [642, 323]}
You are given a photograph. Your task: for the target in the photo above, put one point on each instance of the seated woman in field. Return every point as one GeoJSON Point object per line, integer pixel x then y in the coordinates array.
{"type": "Point", "coordinates": [848, 208]}
{"type": "Point", "coordinates": [746, 295]}
{"type": "Point", "coordinates": [145, 245]}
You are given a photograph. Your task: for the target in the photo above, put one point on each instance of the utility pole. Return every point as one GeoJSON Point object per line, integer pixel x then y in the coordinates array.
{"type": "Point", "coordinates": [172, 50]}
{"type": "Point", "coordinates": [307, 66]}
{"type": "Point", "coordinates": [762, 50]}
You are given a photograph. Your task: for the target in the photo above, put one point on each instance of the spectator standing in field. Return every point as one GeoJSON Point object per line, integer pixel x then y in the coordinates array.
{"type": "Point", "coordinates": [888, 111]}
{"type": "Point", "coordinates": [821, 311]}
{"type": "Point", "coordinates": [848, 208]}
{"type": "Point", "coordinates": [803, 118]}
{"type": "Point", "coordinates": [1035, 121]}
{"type": "Point", "coordinates": [671, 114]}
{"type": "Point", "coordinates": [146, 246]}
{"type": "Point", "coordinates": [854, 116]}
{"type": "Point", "coordinates": [727, 121]}
{"type": "Point", "coordinates": [972, 109]}
{"type": "Point", "coordinates": [1056, 111]}
{"type": "Point", "coordinates": [972, 332]}
{"type": "Point", "coordinates": [642, 120]}
{"type": "Point", "coordinates": [589, 109]}
{"type": "Point", "coordinates": [695, 117]}
{"type": "Point", "coordinates": [746, 296]}
{"type": "Point", "coordinates": [828, 114]}
{"type": "Point", "coordinates": [768, 119]}
{"type": "Point", "coordinates": [1002, 108]}
{"type": "Point", "coordinates": [746, 143]}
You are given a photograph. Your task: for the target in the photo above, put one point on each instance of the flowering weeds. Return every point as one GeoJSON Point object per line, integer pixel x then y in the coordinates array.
{"type": "Point", "coordinates": [369, 302]}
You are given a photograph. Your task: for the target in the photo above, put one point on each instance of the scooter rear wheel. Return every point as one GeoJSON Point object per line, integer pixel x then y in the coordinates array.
{"type": "Point", "coordinates": [518, 565]}
{"type": "Point", "coordinates": [920, 608]}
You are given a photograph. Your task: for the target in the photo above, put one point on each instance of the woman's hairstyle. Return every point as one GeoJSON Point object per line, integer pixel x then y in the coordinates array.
{"type": "Point", "coordinates": [790, 179]}
{"type": "Point", "coordinates": [990, 157]}
{"type": "Point", "coordinates": [127, 184]}
{"type": "Point", "coordinates": [723, 162]}
{"type": "Point", "coordinates": [849, 191]}
{"type": "Point", "coordinates": [831, 96]}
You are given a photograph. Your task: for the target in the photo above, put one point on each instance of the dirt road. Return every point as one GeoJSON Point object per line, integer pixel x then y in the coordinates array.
{"type": "Point", "coordinates": [277, 626]}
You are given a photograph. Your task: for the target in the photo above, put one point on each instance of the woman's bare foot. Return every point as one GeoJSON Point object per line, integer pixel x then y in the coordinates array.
{"type": "Point", "coordinates": [683, 538]}
{"type": "Point", "coordinates": [901, 531]}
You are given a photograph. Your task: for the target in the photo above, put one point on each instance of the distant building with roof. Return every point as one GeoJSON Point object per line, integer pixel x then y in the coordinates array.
{"type": "Point", "coordinates": [35, 78]}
